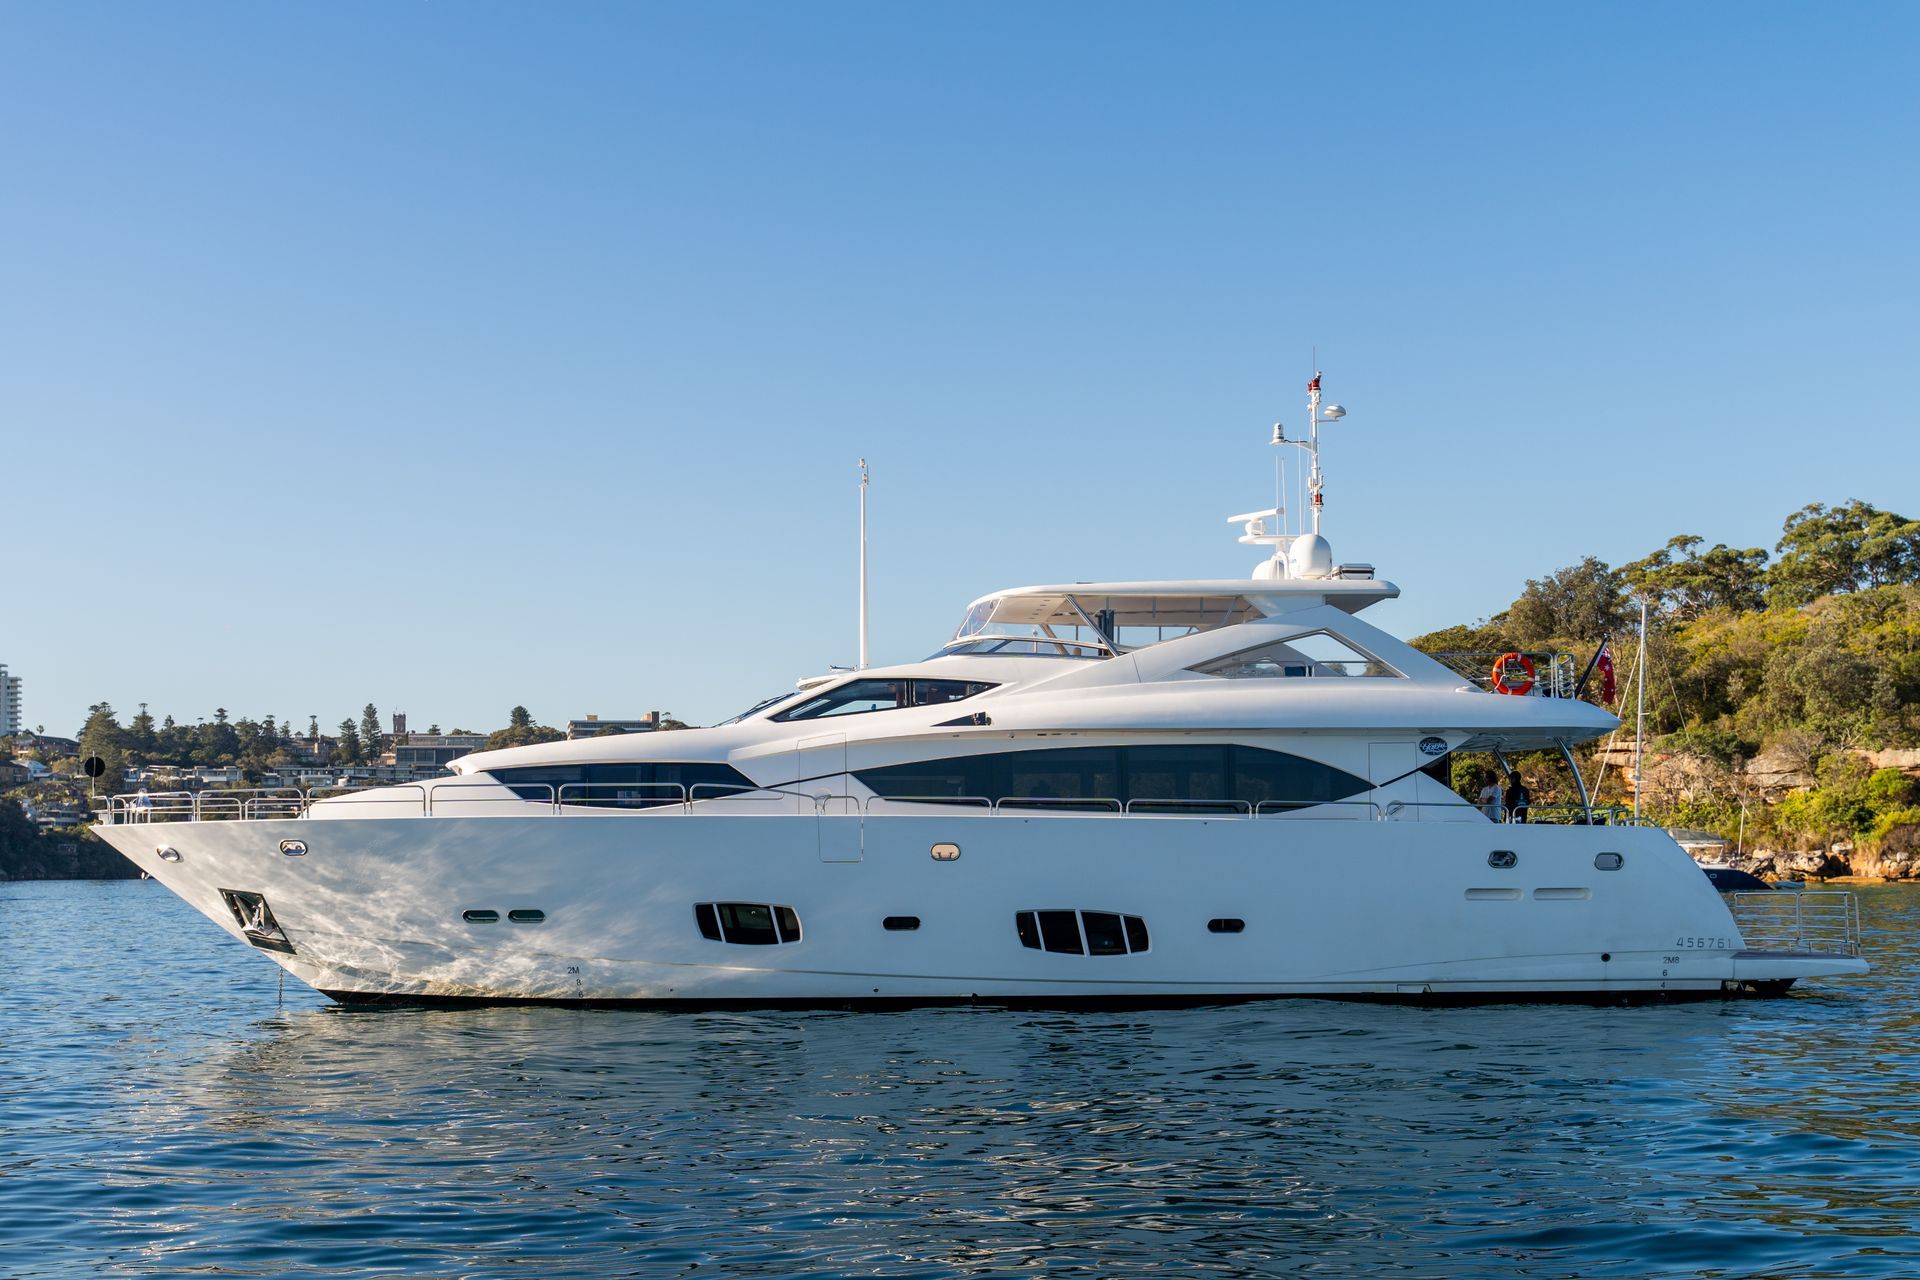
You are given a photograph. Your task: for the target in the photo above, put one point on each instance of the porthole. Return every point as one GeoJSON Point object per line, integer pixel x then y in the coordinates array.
{"type": "Point", "coordinates": [749, 924]}
{"type": "Point", "coordinates": [480, 916]}
{"type": "Point", "coordinates": [1503, 859]}
{"type": "Point", "coordinates": [1079, 933]}
{"type": "Point", "coordinates": [1104, 936]}
{"type": "Point", "coordinates": [1060, 931]}
{"type": "Point", "coordinates": [167, 853]}
{"type": "Point", "coordinates": [1029, 931]}
{"type": "Point", "coordinates": [526, 915]}
{"type": "Point", "coordinates": [1608, 862]}
{"type": "Point", "coordinates": [900, 924]}
{"type": "Point", "coordinates": [789, 924]}
{"type": "Point", "coordinates": [1226, 924]}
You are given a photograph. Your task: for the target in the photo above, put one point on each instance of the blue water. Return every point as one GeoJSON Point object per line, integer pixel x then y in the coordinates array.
{"type": "Point", "coordinates": [161, 1115]}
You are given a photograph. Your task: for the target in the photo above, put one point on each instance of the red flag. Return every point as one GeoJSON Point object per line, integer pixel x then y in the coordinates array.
{"type": "Point", "coordinates": [1315, 384]}
{"type": "Point", "coordinates": [1606, 673]}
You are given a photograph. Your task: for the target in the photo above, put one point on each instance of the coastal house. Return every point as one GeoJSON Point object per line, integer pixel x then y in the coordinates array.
{"type": "Point", "coordinates": [592, 726]}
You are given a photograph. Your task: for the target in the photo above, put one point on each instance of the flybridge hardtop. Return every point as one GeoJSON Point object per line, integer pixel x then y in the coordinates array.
{"type": "Point", "coordinates": [1205, 664]}
{"type": "Point", "coordinates": [1135, 791]}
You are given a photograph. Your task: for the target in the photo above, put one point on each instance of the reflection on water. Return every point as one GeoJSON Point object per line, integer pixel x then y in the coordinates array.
{"type": "Point", "coordinates": [159, 1115]}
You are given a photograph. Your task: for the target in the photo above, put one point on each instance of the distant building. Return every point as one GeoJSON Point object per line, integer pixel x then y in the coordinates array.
{"type": "Point", "coordinates": [11, 721]}
{"type": "Point", "coordinates": [435, 750]}
{"type": "Point", "coordinates": [27, 744]}
{"type": "Point", "coordinates": [593, 726]}
{"type": "Point", "coordinates": [13, 775]}
{"type": "Point", "coordinates": [47, 817]}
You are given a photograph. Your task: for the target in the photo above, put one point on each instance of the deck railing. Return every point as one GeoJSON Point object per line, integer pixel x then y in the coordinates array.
{"type": "Point", "coordinates": [1815, 921]}
{"type": "Point", "coordinates": [415, 800]}
{"type": "Point", "coordinates": [1554, 675]}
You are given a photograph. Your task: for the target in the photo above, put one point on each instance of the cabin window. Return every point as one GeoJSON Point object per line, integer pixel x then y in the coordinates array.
{"type": "Point", "coordinates": [640, 785]}
{"type": "Point", "coordinates": [752, 924]}
{"type": "Point", "coordinates": [1081, 933]}
{"type": "Point", "coordinates": [1169, 778]}
{"type": "Point", "coordinates": [1315, 653]}
{"type": "Point", "coordinates": [857, 697]}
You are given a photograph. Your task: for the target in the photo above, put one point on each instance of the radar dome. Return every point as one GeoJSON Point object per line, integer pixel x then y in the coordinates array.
{"type": "Point", "coordinates": [1310, 556]}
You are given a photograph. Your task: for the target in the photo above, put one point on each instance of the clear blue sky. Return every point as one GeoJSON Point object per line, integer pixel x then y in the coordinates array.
{"type": "Point", "coordinates": [452, 356]}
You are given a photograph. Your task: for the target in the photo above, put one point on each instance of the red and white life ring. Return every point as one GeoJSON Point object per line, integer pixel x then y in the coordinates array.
{"type": "Point", "coordinates": [1504, 673]}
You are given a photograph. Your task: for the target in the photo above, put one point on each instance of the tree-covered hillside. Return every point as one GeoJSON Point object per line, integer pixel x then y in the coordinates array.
{"type": "Point", "coordinates": [1786, 685]}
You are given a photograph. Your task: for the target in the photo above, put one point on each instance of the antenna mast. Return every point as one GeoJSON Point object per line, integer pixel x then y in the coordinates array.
{"type": "Point", "coordinates": [1314, 479]}
{"type": "Point", "coordinates": [863, 566]}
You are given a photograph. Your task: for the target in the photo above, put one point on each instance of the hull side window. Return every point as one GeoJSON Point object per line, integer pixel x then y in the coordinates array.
{"type": "Point", "coordinates": [1182, 778]}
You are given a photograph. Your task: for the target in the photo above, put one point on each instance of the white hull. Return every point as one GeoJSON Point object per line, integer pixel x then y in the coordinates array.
{"type": "Point", "coordinates": [374, 908]}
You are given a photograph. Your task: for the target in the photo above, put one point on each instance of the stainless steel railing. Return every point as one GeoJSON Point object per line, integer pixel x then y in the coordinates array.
{"type": "Point", "coordinates": [1815, 921]}
{"type": "Point", "coordinates": [1555, 675]}
{"type": "Point", "coordinates": [597, 799]}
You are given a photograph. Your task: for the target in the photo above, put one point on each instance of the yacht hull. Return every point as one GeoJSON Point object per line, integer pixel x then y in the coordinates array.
{"type": "Point", "coordinates": [376, 909]}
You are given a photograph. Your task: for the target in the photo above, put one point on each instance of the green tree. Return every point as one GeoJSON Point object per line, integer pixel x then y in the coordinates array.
{"type": "Point", "coordinates": [174, 743]}
{"type": "Point", "coordinates": [102, 736]}
{"type": "Point", "coordinates": [370, 731]}
{"type": "Point", "coordinates": [1849, 548]}
{"type": "Point", "coordinates": [347, 750]}
{"type": "Point", "coordinates": [1681, 580]}
{"type": "Point", "coordinates": [142, 739]}
{"type": "Point", "coordinates": [1577, 604]}
{"type": "Point", "coordinates": [521, 731]}
{"type": "Point", "coordinates": [218, 743]}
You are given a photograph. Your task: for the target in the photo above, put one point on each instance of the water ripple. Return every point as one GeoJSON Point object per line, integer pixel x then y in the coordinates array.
{"type": "Point", "coordinates": [160, 1115]}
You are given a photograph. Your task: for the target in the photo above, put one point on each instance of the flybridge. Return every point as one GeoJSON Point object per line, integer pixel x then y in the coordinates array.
{"type": "Point", "coordinates": [1099, 619]}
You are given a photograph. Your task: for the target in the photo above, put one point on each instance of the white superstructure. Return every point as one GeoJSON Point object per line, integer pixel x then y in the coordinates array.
{"type": "Point", "coordinates": [1130, 791]}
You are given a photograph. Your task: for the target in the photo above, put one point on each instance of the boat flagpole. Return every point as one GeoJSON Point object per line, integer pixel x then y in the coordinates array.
{"type": "Point", "coordinates": [1640, 711]}
{"type": "Point", "coordinates": [863, 565]}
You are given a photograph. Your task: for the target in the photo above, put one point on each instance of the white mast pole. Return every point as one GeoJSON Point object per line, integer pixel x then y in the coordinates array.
{"type": "Point", "coordinates": [863, 564]}
{"type": "Point", "coordinates": [1640, 712]}
{"type": "Point", "coordinates": [1313, 447]}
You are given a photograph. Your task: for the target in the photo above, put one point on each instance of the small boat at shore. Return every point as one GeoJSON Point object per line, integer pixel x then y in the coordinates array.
{"type": "Point", "coordinates": [1126, 791]}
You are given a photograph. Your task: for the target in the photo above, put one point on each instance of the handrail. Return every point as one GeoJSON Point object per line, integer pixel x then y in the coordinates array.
{"type": "Point", "coordinates": [1820, 921]}
{"type": "Point", "coordinates": [585, 799]}
{"type": "Point", "coordinates": [1554, 674]}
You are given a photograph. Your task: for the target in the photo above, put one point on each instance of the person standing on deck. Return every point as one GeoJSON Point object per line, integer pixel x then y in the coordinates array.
{"type": "Point", "coordinates": [1518, 798]}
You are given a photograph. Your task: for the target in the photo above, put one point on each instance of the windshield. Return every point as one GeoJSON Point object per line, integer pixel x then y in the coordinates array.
{"type": "Point", "coordinates": [1092, 623]}
{"type": "Point", "coordinates": [760, 706]}
{"type": "Point", "coordinates": [857, 697]}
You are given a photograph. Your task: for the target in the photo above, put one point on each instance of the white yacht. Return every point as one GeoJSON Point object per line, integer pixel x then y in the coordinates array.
{"type": "Point", "coordinates": [1094, 791]}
